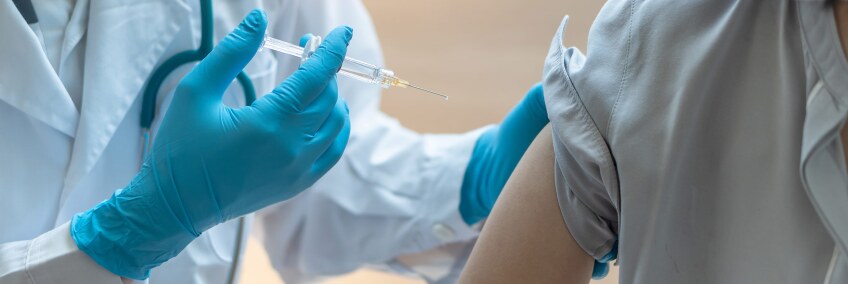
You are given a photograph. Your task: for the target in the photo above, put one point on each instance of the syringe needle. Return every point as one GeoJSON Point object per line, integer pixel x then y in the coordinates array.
{"type": "Point", "coordinates": [425, 90]}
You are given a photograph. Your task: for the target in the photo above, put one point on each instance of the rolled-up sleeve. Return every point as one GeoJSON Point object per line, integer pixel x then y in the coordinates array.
{"type": "Point", "coordinates": [585, 172]}
{"type": "Point", "coordinates": [585, 178]}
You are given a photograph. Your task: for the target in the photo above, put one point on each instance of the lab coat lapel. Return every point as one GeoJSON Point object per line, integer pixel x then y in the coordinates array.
{"type": "Point", "coordinates": [74, 31]}
{"type": "Point", "coordinates": [27, 80]}
{"type": "Point", "coordinates": [125, 40]}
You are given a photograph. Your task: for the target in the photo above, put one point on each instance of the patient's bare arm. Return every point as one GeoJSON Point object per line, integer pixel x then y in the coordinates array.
{"type": "Point", "coordinates": [525, 239]}
{"type": "Point", "coordinates": [840, 12]}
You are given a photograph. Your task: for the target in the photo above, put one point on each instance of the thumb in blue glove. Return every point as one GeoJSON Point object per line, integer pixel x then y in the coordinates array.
{"type": "Point", "coordinates": [496, 154]}
{"type": "Point", "coordinates": [211, 163]}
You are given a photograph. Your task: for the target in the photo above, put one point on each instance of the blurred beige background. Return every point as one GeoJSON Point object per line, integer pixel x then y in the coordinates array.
{"type": "Point", "coordinates": [484, 54]}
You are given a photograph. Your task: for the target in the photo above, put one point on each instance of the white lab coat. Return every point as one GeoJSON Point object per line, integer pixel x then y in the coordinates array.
{"type": "Point", "coordinates": [392, 200]}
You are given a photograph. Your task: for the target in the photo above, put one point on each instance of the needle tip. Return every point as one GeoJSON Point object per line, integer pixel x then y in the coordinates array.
{"type": "Point", "coordinates": [425, 90]}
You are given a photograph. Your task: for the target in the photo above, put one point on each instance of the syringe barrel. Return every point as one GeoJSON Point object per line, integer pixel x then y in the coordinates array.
{"type": "Point", "coordinates": [282, 46]}
{"type": "Point", "coordinates": [368, 73]}
{"type": "Point", "coordinates": [356, 69]}
{"type": "Point", "coordinates": [359, 70]}
{"type": "Point", "coordinates": [353, 68]}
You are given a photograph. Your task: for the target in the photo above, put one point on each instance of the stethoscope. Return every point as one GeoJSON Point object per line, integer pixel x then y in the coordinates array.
{"type": "Point", "coordinates": [154, 83]}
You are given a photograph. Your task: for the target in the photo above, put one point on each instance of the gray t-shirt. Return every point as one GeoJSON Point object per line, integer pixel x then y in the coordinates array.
{"type": "Point", "coordinates": [703, 138]}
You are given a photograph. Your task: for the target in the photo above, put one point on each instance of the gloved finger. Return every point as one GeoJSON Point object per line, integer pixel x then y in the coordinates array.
{"type": "Point", "coordinates": [334, 151]}
{"type": "Point", "coordinates": [316, 113]}
{"type": "Point", "coordinates": [304, 39]}
{"type": "Point", "coordinates": [306, 84]}
{"type": "Point", "coordinates": [330, 128]}
{"type": "Point", "coordinates": [214, 73]}
{"type": "Point", "coordinates": [278, 102]}
{"type": "Point", "coordinates": [525, 120]}
{"type": "Point", "coordinates": [600, 270]}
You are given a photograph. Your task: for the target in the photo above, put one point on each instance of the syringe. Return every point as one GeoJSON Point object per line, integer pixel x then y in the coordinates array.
{"type": "Point", "coordinates": [352, 68]}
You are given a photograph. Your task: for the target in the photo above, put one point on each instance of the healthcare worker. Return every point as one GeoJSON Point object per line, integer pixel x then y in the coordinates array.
{"type": "Point", "coordinates": [69, 114]}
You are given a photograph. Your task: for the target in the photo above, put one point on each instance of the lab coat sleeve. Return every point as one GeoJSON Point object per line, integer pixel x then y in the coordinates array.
{"type": "Point", "coordinates": [52, 257]}
{"type": "Point", "coordinates": [394, 192]}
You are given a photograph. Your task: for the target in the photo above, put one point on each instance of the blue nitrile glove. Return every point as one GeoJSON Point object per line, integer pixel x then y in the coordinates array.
{"type": "Point", "coordinates": [601, 268]}
{"type": "Point", "coordinates": [496, 154]}
{"type": "Point", "coordinates": [211, 163]}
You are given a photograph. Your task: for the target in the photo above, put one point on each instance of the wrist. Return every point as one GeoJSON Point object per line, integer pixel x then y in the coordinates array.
{"type": "Point", "coordinates": [131, 232]}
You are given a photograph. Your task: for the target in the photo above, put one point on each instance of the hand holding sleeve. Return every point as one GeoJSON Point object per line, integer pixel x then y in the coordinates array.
{"type": "Point", "coordinates": [496, 154]}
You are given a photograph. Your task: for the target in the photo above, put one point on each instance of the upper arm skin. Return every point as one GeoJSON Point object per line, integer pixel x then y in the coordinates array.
{"type": "Point", "coordinates": [840, 12]}
{"type": "Point", "coordinates": [525, 239]}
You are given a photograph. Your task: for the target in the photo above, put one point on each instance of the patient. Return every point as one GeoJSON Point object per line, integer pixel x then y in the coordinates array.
{"type": "Point", "coordinates": [702, 138]}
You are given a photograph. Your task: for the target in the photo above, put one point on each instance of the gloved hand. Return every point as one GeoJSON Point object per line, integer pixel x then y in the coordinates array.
{"type": "Point", "coordinates": [211, 163]}
{"type": "Point", "coordinates": [496, 154]}
{"type": "Point", "coordinates": [601, 268]}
